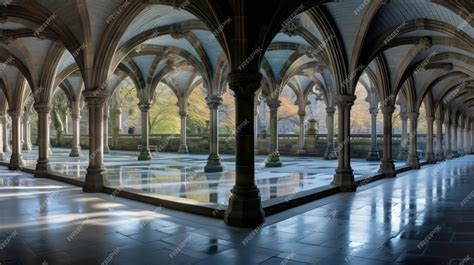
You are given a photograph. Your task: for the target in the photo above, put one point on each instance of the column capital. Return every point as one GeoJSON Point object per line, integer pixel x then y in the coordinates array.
{"type": "Point", "coordinates": [95, 97]}
{"type": "Point", "coordinates": [374, 111]}
{"type": "Point", "coordinates": [273, 104]}
{"type": "Point", "coordinates": [144, 106]}
{"type": "Point", "coordinates": [344, 100]}
{"type": "Point", "coordinates": [302, 113]}
{"type": "Point", "coordinates": [430, 119]}
{"type": "Point", "coordinates": [388, 109]}
{"type": "Point", "coordinates": [42, 108]}
{"type": "Point", "coordinates": [183, 113]}
{"type": "Point", "coordinates": [414, 115]}
{"type": "Point", "coordinates": [15, 113]}
{"type": "Point", "coordinates": [330, 110]}
{"type": "Point", "coordinates": [214, 101]}
{"type": "Point", "coordinates": [244, 83]}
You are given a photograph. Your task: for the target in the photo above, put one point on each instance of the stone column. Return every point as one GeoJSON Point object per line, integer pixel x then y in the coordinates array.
{"type": "Point", "coordinates": [344, 177]}
{"type": "Point", "coordinates": [461, 139]}
{"type": "Point", "coordinates": [413, 159]}
{"type": "Point", "coordinates": [6, 142]}
{"type": "Point", "coordinates": [214, 160]}
{"type": "Point", "coordinates": [330, 153]}
{"type": "Point", "coordinates": [50, 149]}
{"type": "Point", "coordinates": [76, 135]}
{"type": "Point", "coordinates": [302, 140]}
{"type": "Point", "coordinates": [387, 167]}
{"type": "Point", "coordinates": [467, 141]}
{"type": "Point", "coordinates": [454, 140]}
{"type": "Point", "coordinates": [117, 126]}
{"type": "Point", "coordinates": [430, 156]}
{"type": "Point", "coordinates": [448, 140]}
{"type": "Point", "coordinates": [374, 154]}
{"type": "Point", "coordinates": [145, 149]}
{"type": "Point", "coordinates": [2, 156]}
{"type": "Point", "coordinates": [106, 129]}
{"type": "Point", "coordinates": [439, 140]}
{"type": "Point", "coordinates": [183, 145]}
{"type": "Point", "coordinates": [16, 160]}
{"type": "Point", "coordinates": [273, 159]}
{"type": "Point", "coordinates": [26, 132]}
{"type": "Point", "coordinates": [42, 165]}
{"type": "Point", "coordinates": [245, 207]}
{"type": "Point", "coordinates": [472, 137]}
{"type": "Point", "coordinates": [403, 154]}
{"type": "Point", "coordinates": [96, 172]}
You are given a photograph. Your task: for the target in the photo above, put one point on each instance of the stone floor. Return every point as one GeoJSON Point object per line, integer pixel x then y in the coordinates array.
{"type": "Point", "coordinates": [421, 217]}
{"type": "Point", "coordinates": [182, 175]}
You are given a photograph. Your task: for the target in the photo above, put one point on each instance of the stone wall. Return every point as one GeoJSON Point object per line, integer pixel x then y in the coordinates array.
{"type": "Point", "coordinates": [288, 144]}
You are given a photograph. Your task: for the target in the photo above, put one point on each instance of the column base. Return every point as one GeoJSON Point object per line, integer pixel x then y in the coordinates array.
{"type": "Point", "coordinates": [413, 162]}
{"type": "Point", "coordinates": [94, 179]}
{"type": "Point", "coordinates": [42, 169]}
{"type": "Point", "coordinates": [106, 149]}
{"type": "Point", "coordinates": [344, 179]}
{"type": "Point", "coordinates": [373, 156]}
{"type": "Point", "coordinates": [75, 152]}
{"type": "Point", "coordinates": [403, 155]}
{"type": "Point", "coordinates": [440, 157]}
{"type": "Point", "coordinates": [245, 208]}
{"type": "Point", "coordinates": [454, 154]}
{"type": "Point", "coordinates": [183, 149]}
{"type": "Point", "coordinates": [213, 164]}
{"type": "Point", "coordinates": [273, 160]}
{"type": "Point", "coordinates": [431, 158]}
{"type": "Point", "coordinates": [144, 155]}
{"type": "Point", "coordinates": [16, 162]}
{"type": "Point", "coordinates": [388, 169]}
{"type": "Point", "coordinates": [330, 154]}
{"type": "Point", "coordinates": [27, 147]}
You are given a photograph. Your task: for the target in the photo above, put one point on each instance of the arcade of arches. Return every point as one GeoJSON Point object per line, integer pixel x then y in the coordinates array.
{"type": "Point", "coordinates": [237, 109]}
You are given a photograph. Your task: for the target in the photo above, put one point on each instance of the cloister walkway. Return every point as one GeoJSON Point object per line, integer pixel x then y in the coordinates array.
{"type": "Point", "coordinates": [420, 217]}
{"type": "Point", "coordinates": [182, 175]}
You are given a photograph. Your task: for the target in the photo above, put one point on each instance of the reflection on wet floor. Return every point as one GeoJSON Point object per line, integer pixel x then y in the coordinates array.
{"type": "Point", "coordinates": [182, 175]}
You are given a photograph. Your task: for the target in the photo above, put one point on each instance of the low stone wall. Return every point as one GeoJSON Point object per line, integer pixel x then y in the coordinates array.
{"type": "Point", "coordinates": [288, 144]}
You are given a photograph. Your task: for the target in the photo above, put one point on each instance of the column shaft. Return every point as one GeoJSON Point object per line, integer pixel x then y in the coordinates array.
{"type": "Point", "coordinates": [16, 161]}
{"type": "Point", "coordinates": [183, 146]}
{"type": "Point", "coordinates": [302, 135]}
{"type": "Point", "coordinates": [106, 129]}
{"type": "Point", "coordinates": [96, 172]}
{"type": "Point", "coordinates": [42, 165]}
{"type": "Point", "coordinates": [430, 156]}
{"type": "Point", "coordinates": [344, 177]}
{"type": "Point", "coordinates": [245, 208]}
{"type": "Point", "coordinates": [214, 160]}
{"type": "Point", "coordinates": [330, 153]}
{"type": "Point", "coordinates": [387, 166]}
{"type": "Point", "coordinates": [273, 159]}
{"type": "Point", "coordinates": [403, 154]}
{"type": "Point", "coordinates": [374, 154]}
{"type": "Point", "coordinates": [145, 146]}
{"type": "Point", "coordinates": [439, 140]}
{"type": "Point", "coordinates": [76, 135]}
{"type": "Point", "coordinates": [413, 159]}
{"type": "Point", "coordinates": [2, 155]}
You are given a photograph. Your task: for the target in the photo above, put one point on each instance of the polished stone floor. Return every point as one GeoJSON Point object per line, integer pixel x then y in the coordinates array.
{"type": "Point", "coordinates": [421, 217]}
{"type": "Point", "coordinates": [182, 175]}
